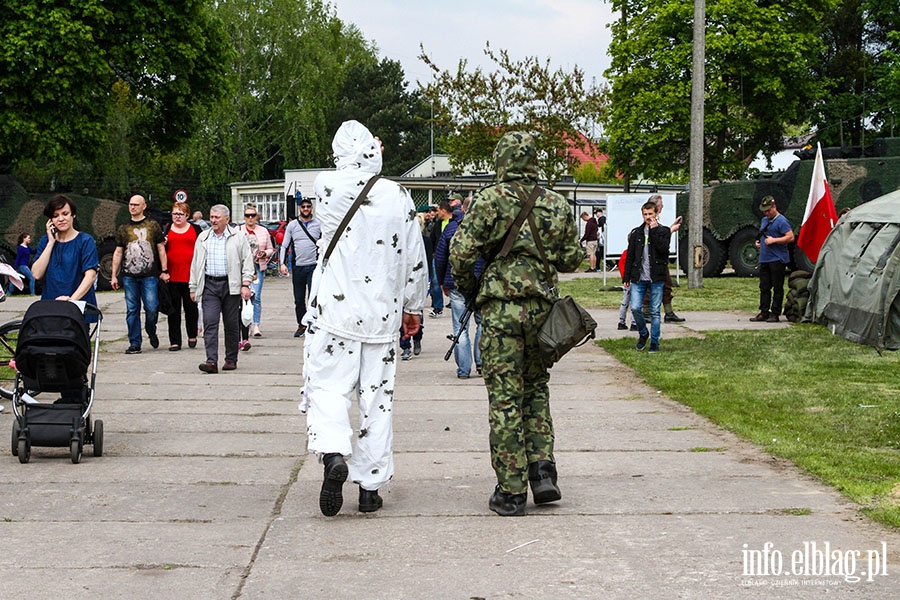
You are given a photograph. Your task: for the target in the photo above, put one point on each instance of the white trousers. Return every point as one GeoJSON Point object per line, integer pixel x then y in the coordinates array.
{"type": "Point", "coordinates": [335, 368]}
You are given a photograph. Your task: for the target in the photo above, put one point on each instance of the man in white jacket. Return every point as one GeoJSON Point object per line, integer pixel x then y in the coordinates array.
{"type": "Point", "coordinates": [374, 282]}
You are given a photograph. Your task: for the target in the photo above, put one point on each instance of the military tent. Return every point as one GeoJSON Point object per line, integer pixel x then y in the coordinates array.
{"type": "Point", "coordinates": [855, 288]}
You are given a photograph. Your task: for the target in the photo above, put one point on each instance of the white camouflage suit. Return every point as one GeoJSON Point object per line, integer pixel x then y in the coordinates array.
{"type": "Point", "coordinates": [376, 273]}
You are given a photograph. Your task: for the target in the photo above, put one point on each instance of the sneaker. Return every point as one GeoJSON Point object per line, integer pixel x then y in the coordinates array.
{"type": "Point", "coordinates": [633, 327]}
{"type": "Point", "coordinates": [642, 342]}
{"type": "Point", "coordinates": [300, 331]}
{"type": "Point", "coordinates": [434, 314]}
{"type": "Point", "coordinates": [622, 327]}
{"type": "Point", "coordinates": [417, 347]}
{"type": "Point", "coordinates": [478, 370]}
{"type": "Point", "coordinates": [154, 340]}
{"type": "Point", "coordinates": [256, 331]}
{"type": "Point", "coordinates": [761, 317]}
{"type": "Point", "coordinates": [772, 319]}
{"type": "Point", "coordinates": [133, 350]}
{"type": "Point", "coordinates": [406, 354]}
{"type": "Point", "coordinates": [244, 345]}
{"type": "Point", "coordinates": [461, 376]}
{"type": "Point", "coordinates": [673, 318]}
{"type": "Point", "coordinates": [654, 348]}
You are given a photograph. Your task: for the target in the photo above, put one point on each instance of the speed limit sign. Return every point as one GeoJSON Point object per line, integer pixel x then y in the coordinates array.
{"type": "Point", "coordinates": [181, 196]}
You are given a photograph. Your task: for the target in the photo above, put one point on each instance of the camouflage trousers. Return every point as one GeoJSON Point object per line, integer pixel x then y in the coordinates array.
{"type": "Point", "coordinates": [519, 397]}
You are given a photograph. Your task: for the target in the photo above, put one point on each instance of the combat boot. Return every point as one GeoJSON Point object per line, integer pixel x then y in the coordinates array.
{"type": "Point", "coordinates": [331, 497]}
{"type": "Point", "coordinates": [507, 505]}
{"type": "Point", "coordinates": [369, 500]}
{"type": "Point", "coordinates": [542, 477]}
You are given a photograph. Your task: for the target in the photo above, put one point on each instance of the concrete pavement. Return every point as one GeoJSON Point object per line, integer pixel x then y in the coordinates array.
{"type": "Point", "coordinates": [205, 491]}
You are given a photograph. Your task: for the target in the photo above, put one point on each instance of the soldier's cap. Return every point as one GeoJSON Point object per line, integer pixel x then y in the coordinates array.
{"type": "Point", "coordinates": [766, 203]}
{"type": "Point", "coordinates": [423, 208]}
{"type": "Point", "coordinates": [454, 196]}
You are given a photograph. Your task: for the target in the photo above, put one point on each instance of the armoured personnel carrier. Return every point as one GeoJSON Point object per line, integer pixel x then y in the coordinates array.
{"type": "Point", "coordinates": [731, 213]}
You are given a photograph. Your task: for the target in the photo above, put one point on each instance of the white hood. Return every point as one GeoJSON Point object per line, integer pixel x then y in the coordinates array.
{"type": "Point", "coordinates": [355, 147]}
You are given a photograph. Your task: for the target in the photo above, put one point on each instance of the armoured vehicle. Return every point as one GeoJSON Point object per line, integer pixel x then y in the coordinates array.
{"type": "Point", "coordinates": [21, 212]}
{"type": "Point", "coordinates": [731, 213]}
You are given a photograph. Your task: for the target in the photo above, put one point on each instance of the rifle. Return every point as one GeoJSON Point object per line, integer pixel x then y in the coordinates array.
{"type": "Point", "coordinates": [464, 321]}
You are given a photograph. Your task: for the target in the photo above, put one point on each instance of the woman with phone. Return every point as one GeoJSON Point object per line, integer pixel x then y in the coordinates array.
{"type": "Point", "coordinates": [67, 259]}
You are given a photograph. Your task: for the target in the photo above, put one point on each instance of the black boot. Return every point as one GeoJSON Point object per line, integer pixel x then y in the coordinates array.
{"type": "Point", "coordinates": [542, 477]}
{"type": "Point", "coordinates": [507, 505]}
{"type": "Point", "coordinates": [369, 501]}
{"type": "Point", "coordinates": [331, 498]}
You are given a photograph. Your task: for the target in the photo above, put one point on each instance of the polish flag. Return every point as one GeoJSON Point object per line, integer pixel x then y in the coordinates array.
{"type": "Point", "coordinates": [820, 215]}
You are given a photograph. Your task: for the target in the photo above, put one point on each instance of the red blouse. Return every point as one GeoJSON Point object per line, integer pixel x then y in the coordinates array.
{"type": "Point", "coordinates": [180, 252]}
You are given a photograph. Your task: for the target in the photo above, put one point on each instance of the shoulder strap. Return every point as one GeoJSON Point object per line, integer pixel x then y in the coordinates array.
{"type": "Point", "coordinates": [348, 216]}
{"type": "Point", "coordinates": [524, 213]}
{"type": "Point", "coordinates": [306, 231]}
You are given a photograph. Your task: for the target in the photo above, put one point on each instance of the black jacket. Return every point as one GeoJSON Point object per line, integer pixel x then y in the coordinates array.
{"type": "Point", "coordinates": [659, 253]}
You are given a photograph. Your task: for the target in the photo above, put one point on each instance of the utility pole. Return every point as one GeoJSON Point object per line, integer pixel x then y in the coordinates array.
{"type": "Point", "coordinates": [695, 203]}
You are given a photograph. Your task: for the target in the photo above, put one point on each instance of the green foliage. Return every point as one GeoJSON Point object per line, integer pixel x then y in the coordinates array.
{"type": "Point", "coordinates": [476, 109]}
{"type": "Point", "coordinates": [826, 404]}
{"type": "Point", "coordinates": [290, 59]}
{"type": "Point", "coordinates": [375, 94]}
{"type": "Point", "coordinates": [589, 173]}
{"type": "Point", "coordinates": [59, 63]}
{"type": "Point", "coordinates": [758, 81]}
{"type": "Point", "coordinates": [861, 67]}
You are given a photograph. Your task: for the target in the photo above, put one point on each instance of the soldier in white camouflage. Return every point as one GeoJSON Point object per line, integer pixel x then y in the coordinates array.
{"type": "Point", "coordinates": [515, 299]}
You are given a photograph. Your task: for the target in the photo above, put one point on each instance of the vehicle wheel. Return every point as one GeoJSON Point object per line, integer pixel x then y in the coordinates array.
{"type": "Point", "coordinates": [15, 437]}
{"type": "Point", "coordinates": [743, 253]}
{"type": "Point", "coordinates": [98, 438]}
{"type": "Point", "coordinates": [75, 450]}
{"type": "Point", "coordinates": [714, 255]}
{"type": "Point", "coordinates": [9, 334]}
{"type": "Point", "coordinates": [24, 452]}
{"type": "Point", "coordinates": [106, 249]}
{"type": "Point", "coordinates": [801, 261]}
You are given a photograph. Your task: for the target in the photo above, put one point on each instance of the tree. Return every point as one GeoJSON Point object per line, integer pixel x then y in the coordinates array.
{"type": "Point", "coordinates": [861, 68]}
{"type": "Point", "coordinates": [476, 109]}
{"type": "Point", "coordinates": [375, 94]}
{"type": "Point", "coordinates": [59, 62]}
{"type": "Point", "coordinates": [759, 81]}
{"type": "Point", "coordinates": [291, 58]}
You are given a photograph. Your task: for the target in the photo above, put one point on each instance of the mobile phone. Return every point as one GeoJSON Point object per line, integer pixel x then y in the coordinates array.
{"type": "Point", "coordinates": [53, 230]}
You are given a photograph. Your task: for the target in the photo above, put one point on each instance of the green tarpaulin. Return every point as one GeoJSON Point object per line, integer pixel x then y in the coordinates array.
{"type": "Point", "coordinates": [855, 288]}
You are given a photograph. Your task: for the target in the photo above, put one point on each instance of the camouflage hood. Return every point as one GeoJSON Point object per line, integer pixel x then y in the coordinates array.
{"type": "Point", "coordinates": [516, 157]}
{"type": "Point", "coordinates": [355, 147]}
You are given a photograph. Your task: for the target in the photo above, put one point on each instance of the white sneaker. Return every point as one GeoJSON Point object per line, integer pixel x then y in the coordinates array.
{"type": "Point", "coordinates": [434, 314]}
{"type": "Point", "coordinates": [256, 331]}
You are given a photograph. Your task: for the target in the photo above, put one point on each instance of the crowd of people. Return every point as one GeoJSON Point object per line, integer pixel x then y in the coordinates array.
{"type": "Point", "coordinates": [352, 313]}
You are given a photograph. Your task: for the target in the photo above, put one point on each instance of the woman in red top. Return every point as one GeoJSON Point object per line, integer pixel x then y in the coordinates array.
{"type": "Point", "coordinates": [180, 241]}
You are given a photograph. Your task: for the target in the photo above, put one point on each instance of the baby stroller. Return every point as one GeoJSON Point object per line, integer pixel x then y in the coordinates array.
{"type": "Point", "coordinates": [53, 353]}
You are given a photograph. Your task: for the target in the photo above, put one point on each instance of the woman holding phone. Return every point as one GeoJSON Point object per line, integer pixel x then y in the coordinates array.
{"type": "Point", "coordinates": [67, 259]}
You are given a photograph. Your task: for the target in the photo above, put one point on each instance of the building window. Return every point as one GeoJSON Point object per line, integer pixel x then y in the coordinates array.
{"type": "Point", "coordinates": [271, 207]}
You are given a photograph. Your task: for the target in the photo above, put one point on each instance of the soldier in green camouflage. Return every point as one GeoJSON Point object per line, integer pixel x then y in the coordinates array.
{"type": "Point", "coordinates": [515, 299]}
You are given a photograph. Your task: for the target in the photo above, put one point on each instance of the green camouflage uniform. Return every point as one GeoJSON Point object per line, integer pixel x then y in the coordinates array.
{"type": "Point", "coordinates": [515, 299]}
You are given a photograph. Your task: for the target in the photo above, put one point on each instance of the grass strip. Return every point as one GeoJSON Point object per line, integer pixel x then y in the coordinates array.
{"type": "Point", "coordinates": [830, 406]}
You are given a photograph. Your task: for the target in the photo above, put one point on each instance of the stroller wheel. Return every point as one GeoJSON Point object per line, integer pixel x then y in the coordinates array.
{"type": "Point", "coordinates": [15, 437]}
{"type": "Point", "coordinates": [75, 450]}
{"type": "Point", "coordinates": [24, 451]}
{"type": "Point", "coordinates": [98, 437]}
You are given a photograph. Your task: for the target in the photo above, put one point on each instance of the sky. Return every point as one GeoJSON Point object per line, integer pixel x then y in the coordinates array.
{"type": "Point", "coordinates": [568, 32]}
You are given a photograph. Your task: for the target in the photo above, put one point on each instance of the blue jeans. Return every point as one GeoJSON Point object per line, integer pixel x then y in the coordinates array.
{"type": "Point", "coordinates": [140, 290]}
{"type": "Point", "coordinates": [462, 354]}
{"type": "Point", "coordinates": [437, 296]}
{"type": "Point", "coordinates": [637, 299]}
{"type": "Point", "coordinates": [256, 288]}
{"type": "Point", "coordinates": [26, 274]}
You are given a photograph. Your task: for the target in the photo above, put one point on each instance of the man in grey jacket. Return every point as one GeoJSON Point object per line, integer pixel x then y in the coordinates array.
{"type": "Point", "coordinates": [302, 234]}
{"type": "Point", "coordinates": [221, 273]}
